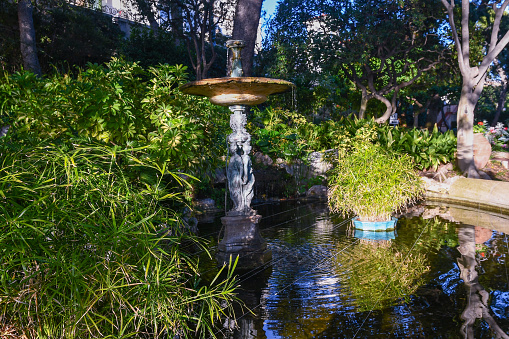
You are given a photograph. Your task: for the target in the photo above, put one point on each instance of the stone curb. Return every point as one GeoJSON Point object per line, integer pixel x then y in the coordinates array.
{"type": "Point", "coordinates": [483, 194]}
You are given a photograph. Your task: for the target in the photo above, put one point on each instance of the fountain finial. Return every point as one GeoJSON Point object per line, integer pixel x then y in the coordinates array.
{"type": "Point", "coordinates": [236, 46]}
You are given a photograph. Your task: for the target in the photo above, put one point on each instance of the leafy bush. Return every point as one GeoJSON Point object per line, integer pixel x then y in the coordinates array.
{"type": "Point", "coordinates": [289, 135]}
{"type": "Point", "coordinates": [87, 253]}
{"type": "Point", "coordinates": [150, 49]}
{"type": "Point", "coordinates": [120, 103]}
{"type": "Point", "coordinates": [372, 183]}
{"type": "Point", "coordinates": [497, 136]}
{"type": "Point", "coordinates": [426, 149]}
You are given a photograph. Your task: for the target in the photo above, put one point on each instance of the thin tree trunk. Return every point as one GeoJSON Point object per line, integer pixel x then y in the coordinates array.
{"type": "Point", "coordinates": [27, 37]}
{"type": "Point", "coordinates": [501, 102]}
{"type": "Point", "coordinates": [416, 119]}
{"type": "Point", "coordinates": [364, 104]}
{"type": "Point", "coordinates": [245, 27]}
{"type": "Point", "coordinates": [389, 109]}
{"type": "Point", "coordinates": [465, 120]}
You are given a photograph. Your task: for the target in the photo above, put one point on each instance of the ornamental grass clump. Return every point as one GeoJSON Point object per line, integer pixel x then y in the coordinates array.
{"type": "Point", "coordinates": [87, 251]}
{"type": "Point", "coordinates": [372, 183]}
{"type": "Point", "coordinates": [376, 277]}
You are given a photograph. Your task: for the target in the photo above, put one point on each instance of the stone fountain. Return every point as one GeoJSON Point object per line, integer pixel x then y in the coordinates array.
{"type": "Point", "coordinates": [241, 237]}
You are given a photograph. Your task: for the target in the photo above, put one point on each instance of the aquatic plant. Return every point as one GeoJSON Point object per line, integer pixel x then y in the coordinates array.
{"type": "Point", "coordinates": [372, 183]}
{"type": "Point", "coordinates": [88, 251]}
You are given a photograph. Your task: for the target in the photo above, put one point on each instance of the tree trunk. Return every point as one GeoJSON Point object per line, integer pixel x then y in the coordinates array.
{"type": "Point", "coordinates": [465, 120]}
{"type": "Point", "coordinates": [145, 8]}
{"type": "Point", "coordinates": [416, 119]}
{"type": "Point", "coordinates": [477, 306]}
{"type": "Point", "coordinates": [364, 104]}
{"type": "Point", "coordinates": [245, 27]}
{"type": "Point", "coordinates": [27, 37]}
{"type": "Point", "coordinates": [389, 109]}
{"type": "Point", "coordinates": [501, 101]}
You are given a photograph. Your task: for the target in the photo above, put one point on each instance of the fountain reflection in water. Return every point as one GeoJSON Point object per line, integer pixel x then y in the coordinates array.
{"type": "Point", "coordinates": [306, 293]}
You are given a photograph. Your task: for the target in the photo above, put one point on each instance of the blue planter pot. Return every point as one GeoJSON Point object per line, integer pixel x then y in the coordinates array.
{"type": "Point", "coordinates": [375, 226]}
{"type": "Point", "coordinates": [375, 236]}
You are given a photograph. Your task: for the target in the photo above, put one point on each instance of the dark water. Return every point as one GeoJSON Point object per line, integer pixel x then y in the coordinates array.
{"type": "Point", "coordinates": [435, 279]}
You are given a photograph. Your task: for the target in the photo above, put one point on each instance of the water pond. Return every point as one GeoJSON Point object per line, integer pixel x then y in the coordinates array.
{"type": "Point", "coordinates": [431, 278]}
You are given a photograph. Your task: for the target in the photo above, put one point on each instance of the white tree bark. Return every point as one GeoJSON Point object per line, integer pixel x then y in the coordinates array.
{"type": "Point", "coordinates": [473, 77]}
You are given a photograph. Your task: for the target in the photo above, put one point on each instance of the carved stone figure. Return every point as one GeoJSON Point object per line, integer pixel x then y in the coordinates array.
{"type": "Point", "coordinates": [240, 169]}
{"type": "Point", "coordinates": [248, 178]}
{"type": "Point", "coordinates": [235, 182]}
{"type": "Point", "coordinates": [235, 46]}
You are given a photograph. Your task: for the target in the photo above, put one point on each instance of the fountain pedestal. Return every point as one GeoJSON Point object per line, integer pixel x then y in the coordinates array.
{"type": "Point", "coordinates": [242, 239]}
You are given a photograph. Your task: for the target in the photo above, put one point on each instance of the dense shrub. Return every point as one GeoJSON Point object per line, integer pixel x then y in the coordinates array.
{"type": "Point", "coordinates": [70, 36]}
{"type": "Point", "coordinates": [428, 150]}
{"type": "Point", "coordinates": [150, 49]}
{"type": "Point", "coordinates": [120, 103]}
{"type": "Point", "coordinates": [89, 252]}
{"type": "Point", "coordinates": [289, 135]}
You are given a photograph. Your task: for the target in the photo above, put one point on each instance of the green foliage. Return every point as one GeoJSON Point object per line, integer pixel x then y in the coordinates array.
{"type": "Point", "coordinates": [73, 36]}
{"type": "Point", "coordinates": [88, 251]}
{"type": "Point", "coordinates": [120, 103]}
{"type": "Point", "coordinates": [332, 49]}
{"type": "Point", "coordinates": [149, 49]}
{"type": "Point", "coordinates": [381, 274]}
{"type": "Point", "coordinates": [10, 54]}
{"type": "Point", "coordinates": [427, 149]}
{"type": "Point", "coordinates": [372, 183]}
{"type": "Point", "coordinates": [289, 135]}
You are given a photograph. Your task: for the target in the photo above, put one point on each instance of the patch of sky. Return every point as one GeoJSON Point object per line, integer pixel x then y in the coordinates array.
{"type": "Point", "coordinates": [268, 10]}
{"type": "Point", "coordinates": [450, 280]}
{"type": "Point", "coordinates": [500, 304]}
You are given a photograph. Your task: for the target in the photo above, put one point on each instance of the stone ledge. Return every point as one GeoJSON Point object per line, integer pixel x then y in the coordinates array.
{"type": "Point", "coordinates": [483, 194]}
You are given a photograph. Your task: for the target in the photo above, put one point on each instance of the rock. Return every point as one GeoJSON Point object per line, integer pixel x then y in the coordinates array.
{"type": "Point", "coordinates": [205, 205]}
{"type": "Point", "coordinates": [190, 222]}
{"type": "Point", "coordinates": [317, 191]}
{"type": "Point", "coordinates": [219, 176]}
{"type": "Point", "coordinates": [317, 163]}
{"type": "Point", "coordinates": [503, 157]}
{"type": "Point", "coordinates": [500, 155]}
{"type": "Point", "coordinates": [296, 169]}
{"type": "Point", "coordinates": [4, 130]}
{"type": "Point", "coordinates": [263, 159]}
{"type": "Point", "coordinates": [482, 150]}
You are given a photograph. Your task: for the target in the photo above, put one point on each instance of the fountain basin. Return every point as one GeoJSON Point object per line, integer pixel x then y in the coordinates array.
{"type": "Point", "coordinates": [237, 90]}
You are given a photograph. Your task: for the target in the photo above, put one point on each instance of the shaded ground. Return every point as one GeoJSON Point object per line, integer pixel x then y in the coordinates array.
{"type": "Point", "coordinates": [494, 169]}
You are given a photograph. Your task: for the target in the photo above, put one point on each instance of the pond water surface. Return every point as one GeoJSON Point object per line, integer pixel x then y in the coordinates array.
{"type": "Point", "coordinates": [434, 279]}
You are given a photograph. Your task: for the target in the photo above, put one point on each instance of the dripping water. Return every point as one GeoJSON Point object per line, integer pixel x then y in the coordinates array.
{"type": "Point", "coordinates": [294, 99]}
{"type": "Point", "coordinates": [228, 73]}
